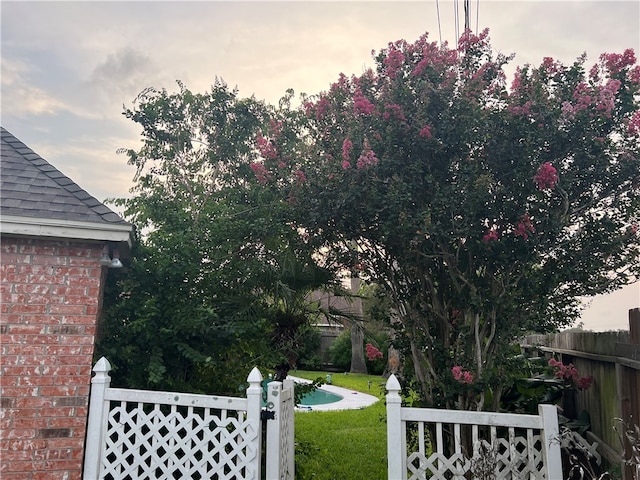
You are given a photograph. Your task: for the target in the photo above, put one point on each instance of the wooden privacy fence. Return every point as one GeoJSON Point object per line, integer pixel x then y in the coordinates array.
{"type": "Point", "coordinates": [613, 360]}
{"type": "Point", "coordinates": [426, 443]}
{"type": "Point", "coordinates": [138, 434]}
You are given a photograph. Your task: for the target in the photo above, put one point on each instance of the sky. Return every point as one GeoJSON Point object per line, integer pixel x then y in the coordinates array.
{"type": "Point", "coordinates": [69, 68]}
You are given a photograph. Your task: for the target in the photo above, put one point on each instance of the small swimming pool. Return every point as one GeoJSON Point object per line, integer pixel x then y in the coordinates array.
{"type": "Point", "coordinates": [319, 397]}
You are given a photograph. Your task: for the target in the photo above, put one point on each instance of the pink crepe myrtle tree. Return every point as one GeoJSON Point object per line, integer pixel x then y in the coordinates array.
{"type": "Point", "coordinates": [457, 191]}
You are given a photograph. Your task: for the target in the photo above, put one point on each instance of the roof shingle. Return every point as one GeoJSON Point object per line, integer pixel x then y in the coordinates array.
{"type": "Point", "coordinates": [32, 187]}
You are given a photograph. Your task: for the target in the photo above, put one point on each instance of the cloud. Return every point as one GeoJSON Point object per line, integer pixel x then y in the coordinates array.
{"type": "Point", "coordinates": [123, 74]}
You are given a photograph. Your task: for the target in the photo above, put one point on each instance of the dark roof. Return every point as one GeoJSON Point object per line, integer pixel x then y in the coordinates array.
{"type": "Point", "coordinates": [32, 187]}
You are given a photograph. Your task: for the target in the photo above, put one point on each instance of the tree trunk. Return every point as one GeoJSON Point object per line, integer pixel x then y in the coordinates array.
{"type": "Point", "coordinates": [358, 364]}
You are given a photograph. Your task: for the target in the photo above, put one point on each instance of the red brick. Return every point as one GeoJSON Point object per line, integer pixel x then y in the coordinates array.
{"type": "Point", "coordinates": [68, 309]}
{"type": "Point", "coordinates": [14, 277]}
{"type": "Point", "coordinates": [13, 298]}
{"type": "Point", "coordinates": [13, 370]}
{"type": "Point", "coordinates": [24, 350]}
{"type": "Point", "coordinates": [76, 339]}
{"type": "Point", "coordinates": [92, 310]}
{"type": "Point", "coordinates": [83, 282]}
{"type": "Point", "coordinates": [60, 475]}
{"type": "Point", "coordinates": [35, 380]}
{"type": "Point", "coordinates": [42, 339]}
{"type": "Point", "coordinates": [53, 412]}
{"type": "Point", "coordinates": [50, 465]}
{"type": "Point", "coordinates": [48, 260]}
{"type": "Point", "coordinates": [77, 441]}
{"type": "Point", "coordinates": [80, 300]}
{"type": "Point", "coordinates": [31, 423]}
{"type": "Point", "coordinates": [37, 269]}
{"type": "Point", "coordinates": [78, 320]}
{"type": "Point", "coordinates": [39, 248]}
{"type": "Point", "coordinates": [8, 247]}
{"type": "Point", "coordinates": [64, 290]}
{"type": "Point", "coordinates": [17, 466]}
{"type": "Point", "coordinates": [64, 350]}
{"type": "Point", "coordinates": [8, 359]}
{"type": "Point", "coordinates": [74, 251]}
{"type": "Point", "coordinates": [44, 319]}
{"type": "Point", "coordinates": [15, 476]}
{"type": "Point", "coordinates": [67, 380]}
{"type": "Point", "coordinates": [33, 329]}
{"type": "Point", "coordinates": [15, 258]}
{"type": "Point", "coordinates": [84, 262]}
{"type": "Point", "coordinates": [45, 299]}
{"type": "Point", "coordinates": [72, 422]}
{"type": "Point", "coordinates": [9, 339]}
{"type": "Point", "coordinates": [15, 358]}
{"type": "Point", "coordinates": [59, 369]}
{"type": "Point", "coordinates": [57, 391]}
{"type": "Point", "coordinates": [8, 391]}
{"type": "Point", "coordinates": [22, 433]}
{"type": "Point", "coordinates": [74, 360]}
{"type": "Point", "coordinates": [22, 308]}
{"type": "Point", "coordinates": [23, 444]}
{"type": "Point", "coordinates": [46, 279]}
{"type": "Point", "coordinates": [35, 403]}
{"type": "Point", "coordinates": [34, 289]}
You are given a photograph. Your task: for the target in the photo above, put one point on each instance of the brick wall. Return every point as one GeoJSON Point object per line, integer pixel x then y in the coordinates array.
{"type": "Point", "coordinates": [50, 293]}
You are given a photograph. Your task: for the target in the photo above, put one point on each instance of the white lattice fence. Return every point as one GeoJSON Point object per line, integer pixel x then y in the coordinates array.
{"type": "Point", "coordinates": [425, 443]}
{"type": "Point", "coordinates": [135, 434]}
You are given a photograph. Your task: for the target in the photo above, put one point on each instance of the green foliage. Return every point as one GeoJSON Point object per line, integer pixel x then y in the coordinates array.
{"type": "Point", "coordinates": [219, 277]}
{"type": "Point", "coordinates": [481, 211]}
{"type": "Point", "coordinates": [340, 351]}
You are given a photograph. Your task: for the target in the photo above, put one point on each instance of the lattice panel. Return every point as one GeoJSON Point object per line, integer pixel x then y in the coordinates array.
{"type": "Point", "coordinates": [286, 450]}
{"type": "Point", "coordinates": [161, 442]}
{"type": "Point", "coordinates": [511, 458]}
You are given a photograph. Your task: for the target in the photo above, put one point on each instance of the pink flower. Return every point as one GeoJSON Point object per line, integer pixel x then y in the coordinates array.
{"type": "Point", "coordinates": [633, 126]}
{"type": "Point", "coordinates": [346, 165]}
{"type": "Point", "coordinates": [550, 65]}
{"type": "Point", "coordinates": [634, 75]}
{"type": "Point", "coordinates": [266, 149]}
{"type": "Point", "coordinates": [367, 158]}
{"type": "Point", "coordinates": [347, 146]}
{"type": "Point", "coordinates": [372, 352]}
{"type": "Point", "coordinates": [616, 62]}
{"type": "Point", "coordinates": [461, 375]}
{"type": "Point", "coordinates": [393, 109]}
{"type": "Point", "coordinates": [584, 383]}
{"type": "Point", "coordinates": [322, 107]}
{"type": "Point", "coordinates": [300, 177]}
{"type": "Point", "coordinates": [425, 132]}
{"type": "Point", "coordinates": [524, 227]}
{"type": "Point", "coordinates": [259, 171]}
{"type": "Point", "coordinates": [490, 236]}
{"type": "Point", "coordinates": [393, 61]}
{"type": "Point", "coordinates": [546, 177]}
{"type": "Point", "coordinates": [361, 104]}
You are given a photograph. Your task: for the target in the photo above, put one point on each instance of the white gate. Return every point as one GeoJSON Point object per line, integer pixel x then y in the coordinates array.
{"type": "Point", "coordinates": [140, 435]}
{"type": "Point", "coordinates": [427, 443]}
{"type": "Point", "coordinates": [280, 434]}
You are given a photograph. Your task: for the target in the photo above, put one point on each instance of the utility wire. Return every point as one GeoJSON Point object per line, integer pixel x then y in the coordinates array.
{"type": "Point", "coordinates": [439, 28]}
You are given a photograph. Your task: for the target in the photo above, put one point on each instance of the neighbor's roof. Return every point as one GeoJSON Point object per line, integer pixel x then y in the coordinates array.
{"type": "Point", "coordinates": [37, 199]}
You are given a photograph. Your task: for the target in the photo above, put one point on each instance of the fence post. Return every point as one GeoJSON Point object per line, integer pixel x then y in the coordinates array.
{"type": "Point", "coordinates": [254, 407]}
{"type": "Point", "coordinates": [290, 385]}
{"type": "Point", "coordinates": [97, 420]}
{"type": "Point", "coordinates": [274, 427]}
{"type": "Point", "coordinates": [551, 441]}
{"type": "Point", "coordinates": [395, 443]}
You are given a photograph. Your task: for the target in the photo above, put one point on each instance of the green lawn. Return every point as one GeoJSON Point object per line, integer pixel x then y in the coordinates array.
{"type": "Point", "coordinates": [343, 445]}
